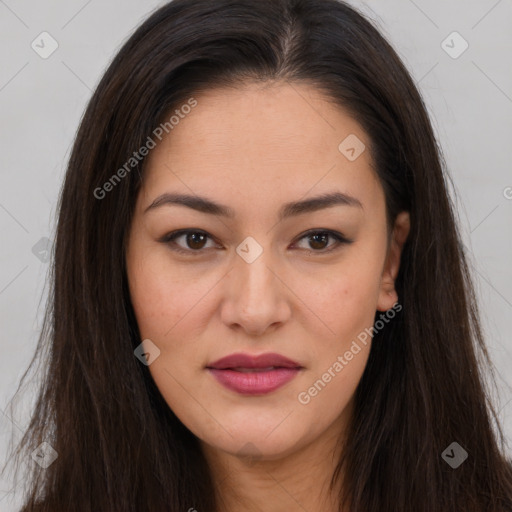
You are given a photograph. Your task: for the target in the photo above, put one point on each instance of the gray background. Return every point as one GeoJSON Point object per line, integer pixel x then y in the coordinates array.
{"type": "Point", "coordinates": [41, 101]}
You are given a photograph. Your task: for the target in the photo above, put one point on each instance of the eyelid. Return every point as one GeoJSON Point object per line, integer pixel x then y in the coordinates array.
{"type": "Point", "coordinates": [339, 237]}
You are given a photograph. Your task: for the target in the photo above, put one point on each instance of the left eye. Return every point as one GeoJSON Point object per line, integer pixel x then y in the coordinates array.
{"type": "Point", "coordinates": [318, 238]}
{"type": "Point", "coordinates": [195, 240]}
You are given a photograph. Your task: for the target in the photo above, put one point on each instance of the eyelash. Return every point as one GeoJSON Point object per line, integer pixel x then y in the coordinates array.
{"type": "Point", "coordinates": [171, 237]}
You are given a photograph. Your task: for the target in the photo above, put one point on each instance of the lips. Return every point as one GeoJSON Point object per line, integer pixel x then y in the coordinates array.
{"type": "Point", "coordinates": [246, 361]}
{"type": "Point", "coordinates": [254, 375]}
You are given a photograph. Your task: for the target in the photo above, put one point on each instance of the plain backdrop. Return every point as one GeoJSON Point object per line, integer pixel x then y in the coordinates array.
{"type": "Point", "coordinates": [458, 53]}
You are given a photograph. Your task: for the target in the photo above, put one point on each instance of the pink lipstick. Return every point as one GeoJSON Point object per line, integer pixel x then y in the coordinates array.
{"type": "Point", "coordinates": [254, 375]}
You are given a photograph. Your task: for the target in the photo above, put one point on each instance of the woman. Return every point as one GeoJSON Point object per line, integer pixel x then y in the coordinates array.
{"type": "Point", "coordinates": [260, 296]}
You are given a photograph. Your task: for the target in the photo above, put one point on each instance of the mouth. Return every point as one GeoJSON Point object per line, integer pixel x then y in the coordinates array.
{"type": "Point", "coordinates": [252, 370]}
{"type": "Point", "coordinates": [254, 375]}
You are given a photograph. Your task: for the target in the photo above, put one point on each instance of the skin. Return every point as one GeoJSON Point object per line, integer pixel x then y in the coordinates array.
{"type": "Point", "coordinates": [253, 149]}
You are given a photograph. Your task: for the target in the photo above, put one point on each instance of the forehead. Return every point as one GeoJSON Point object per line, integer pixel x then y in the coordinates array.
{"type": "Point", "coordinates": [282, 117]}
{"type": "Point", "coordinates": [269, 140]}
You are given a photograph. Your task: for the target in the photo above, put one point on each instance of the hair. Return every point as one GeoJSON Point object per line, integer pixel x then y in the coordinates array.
{"type": "Point", "coordinates": [120, 447]}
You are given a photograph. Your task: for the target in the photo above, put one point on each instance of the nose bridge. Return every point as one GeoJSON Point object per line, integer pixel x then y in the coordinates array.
{"type": "Point", "coordinates": [256, 293]}
{"type": "Point", "coordinates": [257, 282]}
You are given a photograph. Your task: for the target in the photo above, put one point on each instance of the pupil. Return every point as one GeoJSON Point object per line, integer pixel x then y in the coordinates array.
{"type": "Point", "coordinates": [323, 236]}
{"type": "Point", "coordinates": [191, 239]}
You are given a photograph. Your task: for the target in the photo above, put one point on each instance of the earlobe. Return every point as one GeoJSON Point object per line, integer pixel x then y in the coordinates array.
{"type": "Point", "coordinates": [387, 295]}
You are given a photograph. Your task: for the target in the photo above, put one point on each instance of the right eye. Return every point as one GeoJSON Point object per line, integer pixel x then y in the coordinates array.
{"type": "Point", "coordinates": [194, 239]}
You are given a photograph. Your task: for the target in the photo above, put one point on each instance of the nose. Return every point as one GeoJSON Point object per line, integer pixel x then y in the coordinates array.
{"type": "Point", "coordinates": [256, 297]}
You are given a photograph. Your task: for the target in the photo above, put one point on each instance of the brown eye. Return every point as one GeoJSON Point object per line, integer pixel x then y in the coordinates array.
{"type": "Point", "coordinates": [318, 241]}
{"type": "Point", "coordinates": [193, 241]}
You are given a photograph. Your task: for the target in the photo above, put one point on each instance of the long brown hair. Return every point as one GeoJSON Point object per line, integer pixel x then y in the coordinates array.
{"type": "Point", "coordinates": [119, 445]}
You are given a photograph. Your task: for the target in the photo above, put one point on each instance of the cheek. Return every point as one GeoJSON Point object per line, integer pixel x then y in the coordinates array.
{"type": "Point", "coordinates": [344, 300]}
{"type": "Point", "coordinates": [166, 302]}
{"type": "Point", "coordinates": [347, 305]}
{"type": "Point", "coordinates": [162, 294]}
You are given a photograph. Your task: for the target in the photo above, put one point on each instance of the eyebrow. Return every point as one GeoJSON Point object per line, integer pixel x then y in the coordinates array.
{"type": "Point", "coordinates": [205, 205]}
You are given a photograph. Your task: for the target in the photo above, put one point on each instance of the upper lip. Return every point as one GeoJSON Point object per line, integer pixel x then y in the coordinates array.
{"type": "Point", "coordinates": [241, 360]}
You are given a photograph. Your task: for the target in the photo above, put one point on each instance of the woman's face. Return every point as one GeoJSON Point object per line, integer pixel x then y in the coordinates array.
{"type": "Point", "coordinates": [259, 274]}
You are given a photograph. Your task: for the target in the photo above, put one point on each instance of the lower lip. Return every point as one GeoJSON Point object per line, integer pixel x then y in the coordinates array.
{"type": "Point", "coordinates": [254, 383]}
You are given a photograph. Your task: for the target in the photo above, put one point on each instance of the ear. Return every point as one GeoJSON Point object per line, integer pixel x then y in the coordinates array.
{"type": "Point", "coordinates": [387, 294]}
